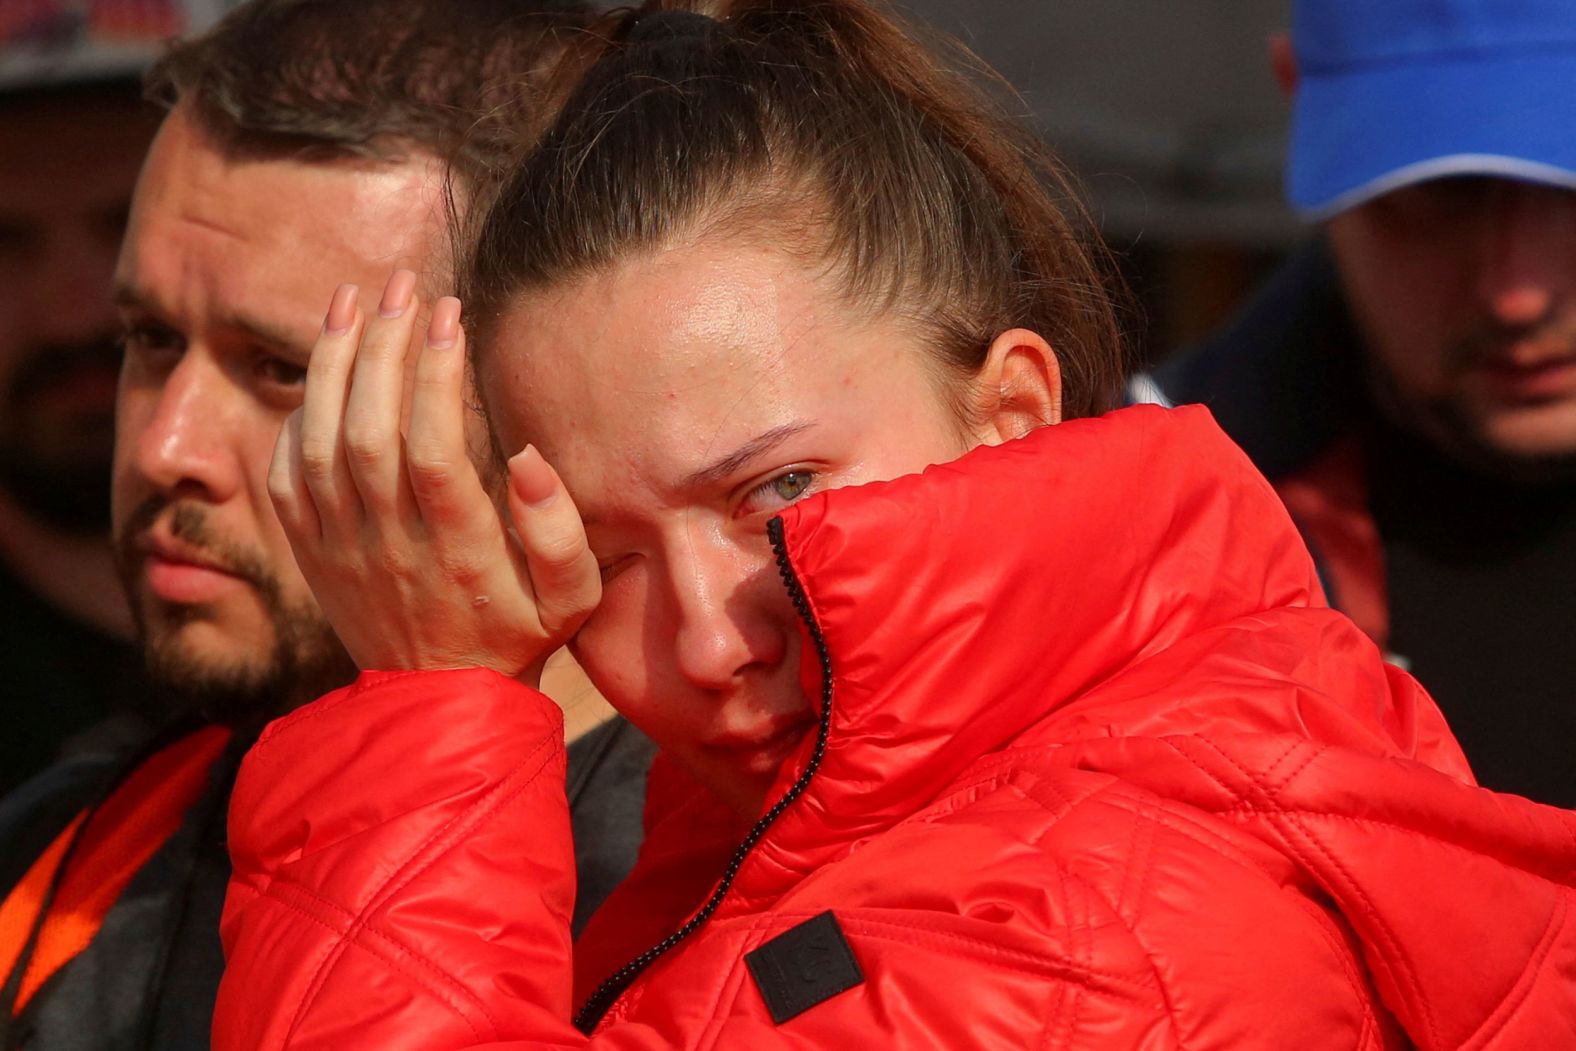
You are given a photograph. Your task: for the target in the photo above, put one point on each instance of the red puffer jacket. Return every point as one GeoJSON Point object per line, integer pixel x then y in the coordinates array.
{"type": "Point", "coordinates": [1098, 770]}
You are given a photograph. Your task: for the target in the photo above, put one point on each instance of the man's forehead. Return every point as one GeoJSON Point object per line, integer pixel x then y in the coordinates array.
{"type": "Point", "coordinates": [275, 228]}
{"type": "Point", "coordinates": [357, 203]}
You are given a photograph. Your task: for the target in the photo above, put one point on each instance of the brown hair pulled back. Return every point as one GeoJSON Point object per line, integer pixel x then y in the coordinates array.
{"type": "Point", "coordinates": [825, 124]}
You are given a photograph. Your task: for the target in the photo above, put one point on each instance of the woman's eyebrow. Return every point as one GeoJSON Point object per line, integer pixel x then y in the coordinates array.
{"type": "Point", "coordinates": [722, 469]}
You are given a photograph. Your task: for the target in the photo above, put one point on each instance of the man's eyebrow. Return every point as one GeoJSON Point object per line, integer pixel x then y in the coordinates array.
{"type": "Point", "coordinates": [127, 295]}
{"type": "Point", "coordinates": [722, 469]}
{"type": "Point", "coordinates": [270, 335]}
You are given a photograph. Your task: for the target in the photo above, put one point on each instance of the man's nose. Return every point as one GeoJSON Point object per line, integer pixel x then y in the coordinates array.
{"type": "Point", "coordinates": [186, 446]}
{"type": "Point", "coordinates": [728, 623]}
{"type": "Point", "coordinates": [1529, 251]}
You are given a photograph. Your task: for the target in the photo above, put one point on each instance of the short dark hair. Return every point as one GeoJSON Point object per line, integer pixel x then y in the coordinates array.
{"type": "Point", "coordinates": [370, 78]}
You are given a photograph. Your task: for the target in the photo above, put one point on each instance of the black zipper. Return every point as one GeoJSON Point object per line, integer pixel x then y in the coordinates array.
{"type": "Point", "coordinates": [606, 994]}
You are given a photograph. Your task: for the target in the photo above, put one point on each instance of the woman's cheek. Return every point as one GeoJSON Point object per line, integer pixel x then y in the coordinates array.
{"type": "Point", "coordinates": [611, 646]}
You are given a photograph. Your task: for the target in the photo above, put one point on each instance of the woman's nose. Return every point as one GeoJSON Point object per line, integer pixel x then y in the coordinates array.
{"type": "Point", "coordinates": [731, 618]}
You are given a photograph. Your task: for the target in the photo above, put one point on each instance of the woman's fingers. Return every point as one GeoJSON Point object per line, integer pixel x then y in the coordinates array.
{"type": "Point", "coordinates": [398, 538]}
{"type": "Point", "coordinates": [287, 487]}
{"type": "Point", "coordinates": [442, 477]}
{"type": "Point", "coordinates": [564, 575]}
{"type": "Point", "coordinates": [373, 446]}
{"type": "Point", "coordinates": [318, 448]}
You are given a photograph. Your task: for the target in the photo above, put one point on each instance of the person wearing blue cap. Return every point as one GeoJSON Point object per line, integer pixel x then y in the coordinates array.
{"type": "Point", "coordinates": [1408, 381]}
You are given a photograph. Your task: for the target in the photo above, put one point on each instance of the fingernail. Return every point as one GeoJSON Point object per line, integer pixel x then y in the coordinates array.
{"type": "Point", "coordinates": [533, 479]}
{"type": "Point", "coordinates": [341, 310]}
{"type": "Point", "coordinates": [444, 328]}
{"type": "Point", "coordinates": [397, 293]}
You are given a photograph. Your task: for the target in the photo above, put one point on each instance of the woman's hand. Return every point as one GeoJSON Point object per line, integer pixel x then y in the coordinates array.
{"type": "Point", "coordinates": [392, 526]}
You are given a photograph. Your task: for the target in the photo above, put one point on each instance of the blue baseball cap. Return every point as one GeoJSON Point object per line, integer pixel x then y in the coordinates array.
{"type": "Point", "coordinates": [1396, 92]}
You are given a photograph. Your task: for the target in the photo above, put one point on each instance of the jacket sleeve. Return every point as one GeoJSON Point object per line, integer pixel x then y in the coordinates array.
{"type": "Point", "coordinates": [403, 871]}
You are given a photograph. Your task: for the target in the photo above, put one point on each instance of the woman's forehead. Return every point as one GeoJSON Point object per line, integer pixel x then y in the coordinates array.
{"type": "Point", "coordinates": [687, 335]}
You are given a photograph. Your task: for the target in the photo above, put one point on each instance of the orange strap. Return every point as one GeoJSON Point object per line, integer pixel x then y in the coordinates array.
{"type": "Point", "coordinates": [20, 908]}
{"type": "Point", "coordinates": [119, 838]}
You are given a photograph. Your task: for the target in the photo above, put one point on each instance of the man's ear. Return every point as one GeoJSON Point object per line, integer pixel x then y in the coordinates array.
{"type": "Point", "coordinates": [1019, 388]}
{"type": "Point", "coordinates": [1283, 62]}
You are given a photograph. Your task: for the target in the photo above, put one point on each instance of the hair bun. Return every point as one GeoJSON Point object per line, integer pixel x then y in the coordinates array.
{"type": "Point", "coordinates": [665, 26]}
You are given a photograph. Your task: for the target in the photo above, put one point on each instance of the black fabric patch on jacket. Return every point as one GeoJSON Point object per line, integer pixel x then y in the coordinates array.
{"type": "Point", "coordinates": [804, 966]}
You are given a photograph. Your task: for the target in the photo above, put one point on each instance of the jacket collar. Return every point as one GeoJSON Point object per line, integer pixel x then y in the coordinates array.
{"type": "Point", "coordinates": [962, 606]}
{"type": "Point", "coordinates": [1127, 597]}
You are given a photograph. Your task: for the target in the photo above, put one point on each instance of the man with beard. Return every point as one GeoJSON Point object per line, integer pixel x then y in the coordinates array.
{"type": "Point", "coordinates": [69, 156]}
{"type": "Point", "coordinates": [1409, 380]}
{"type": "Point", "coordinates": [305, 143]}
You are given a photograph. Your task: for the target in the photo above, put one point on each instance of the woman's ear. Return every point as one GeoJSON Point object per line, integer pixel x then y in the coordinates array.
{"type": "Point", "coordinates": [1019, 388]}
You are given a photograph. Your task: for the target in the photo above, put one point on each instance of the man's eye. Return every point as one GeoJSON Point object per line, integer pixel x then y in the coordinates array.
{"type": "Point", "coordinates": [280, 373]}
{"type": "Point", "coordinates": [1426, 206]}
{"type": "Point", "coordinates": [151, 338]}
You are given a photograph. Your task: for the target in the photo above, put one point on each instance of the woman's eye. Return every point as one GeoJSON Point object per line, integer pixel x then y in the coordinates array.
{"type": "Point", "coordinates": [778, 492]}
{"type": "Point", "coordinates": [612, 567]}
{"type": "Point", "coordinates": [791, 486]}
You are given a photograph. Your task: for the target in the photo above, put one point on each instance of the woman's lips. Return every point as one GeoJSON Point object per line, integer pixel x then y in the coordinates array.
{"type": "Point", "coordinates": [764, 753]}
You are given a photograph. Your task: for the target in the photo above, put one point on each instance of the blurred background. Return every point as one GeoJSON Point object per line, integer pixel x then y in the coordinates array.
{"type": "Point", "coordinates": [1169, 115]}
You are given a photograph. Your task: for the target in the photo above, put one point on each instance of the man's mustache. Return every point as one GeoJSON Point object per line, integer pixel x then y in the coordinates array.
{"type": "Point", "coordinates": [189, 523]}
{"type": "Point", "coordinates": [1494, 344]}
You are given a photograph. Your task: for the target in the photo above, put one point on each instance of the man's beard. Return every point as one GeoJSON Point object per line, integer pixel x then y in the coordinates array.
{"type": "Point", "coordinates": [303, 660]}
{"type": "Point", "coordinates": [1448, 422]}
{"type": "Point", "coordinates": [64, 489]}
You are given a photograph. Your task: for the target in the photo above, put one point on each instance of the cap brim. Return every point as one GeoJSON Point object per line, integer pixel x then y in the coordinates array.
{"type": "Point", "coordinates": [1361, 133]}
